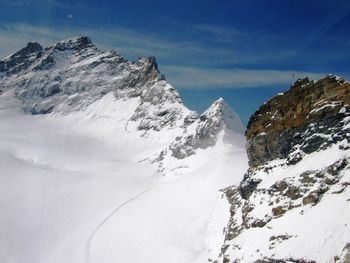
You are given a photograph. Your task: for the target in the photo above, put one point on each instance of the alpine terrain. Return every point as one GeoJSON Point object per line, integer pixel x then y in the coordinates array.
{"type": "Point", "coordinates": [102, 162]}
{"type": "Point", "coordinates": [293, 204]}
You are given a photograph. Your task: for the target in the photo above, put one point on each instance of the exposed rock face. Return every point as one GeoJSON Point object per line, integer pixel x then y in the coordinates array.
{"type": "Point", "coordinates": [207, 126]}
{"type": "Point", "coordinates": [305, 188]}
{"type": "Point", "coordinates": [20, 60]}
{"type": "Point", "coordinates": [345, 255]}
{"type": "Point", "coordinates": [294, 119]}
{"type": "Point", "coordinates": [72, 74]}
{"type": "Point", "coordinates": [201, 132]}
{"type": "Point", "coordinates": [298, 149]}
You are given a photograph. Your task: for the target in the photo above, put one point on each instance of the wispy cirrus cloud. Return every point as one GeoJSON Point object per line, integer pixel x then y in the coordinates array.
{"type": "Point", "coordinates": [184, 63]}
{"type": "Point", "coordinates": [130, 43]}
{"type": "Point", "coordinates": [220, 32]}
{"type": "Point", "coordinates": [192, 77]}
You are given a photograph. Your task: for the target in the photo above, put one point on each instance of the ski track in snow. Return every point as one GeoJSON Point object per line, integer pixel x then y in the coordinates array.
{"type": "Point", "coordinates": [104, 221]}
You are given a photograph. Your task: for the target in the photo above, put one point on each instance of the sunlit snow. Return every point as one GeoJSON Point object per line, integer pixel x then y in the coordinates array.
{"type": "Point", "coordinates": [74, 188]}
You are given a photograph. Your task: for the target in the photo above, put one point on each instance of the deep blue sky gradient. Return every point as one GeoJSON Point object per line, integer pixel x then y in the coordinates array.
{"type": "Point", "coordinates": [310, 37]}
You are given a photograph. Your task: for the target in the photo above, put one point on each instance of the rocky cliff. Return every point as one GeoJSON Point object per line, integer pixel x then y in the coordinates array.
{"type": "Point", "coordinates": [218, 117]}
{"type": "Point", "coordinates": [283, 123]}
{"type": "Point", "coordinates": [73, 74]}
{"type": "Point", "coordinates": [293, 203]}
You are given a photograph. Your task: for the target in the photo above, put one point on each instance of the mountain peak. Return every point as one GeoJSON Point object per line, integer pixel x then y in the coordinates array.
{"type": "Point", "coordinates": [150, 67]}
{"type": "Point", "coordinates": [74, 43]}
{"type": "Point", "coordinates": [31, 47]}
{"type": "Point", "coordinates": [220, 100]}
{"type": "Point", "coordinates": [326, 80]}
{"type": "Point", "coordinates": [21, 59]}
{"type": "Point", "coordinates": [223, 114]}
{"type": "Point", "coordinates": [218, 107]}
{"type": "Point", "coordinates": [301, 82]}
{"type": "Point", "coordinates": [72, 74]}
{"type": "Point", "coordinates": [203, 134]}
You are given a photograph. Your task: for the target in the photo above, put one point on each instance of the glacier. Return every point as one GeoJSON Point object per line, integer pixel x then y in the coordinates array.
{"type": "Point", "coordinates": [102, 162]}
{"type": "Point", "coordinates": [88, 167]}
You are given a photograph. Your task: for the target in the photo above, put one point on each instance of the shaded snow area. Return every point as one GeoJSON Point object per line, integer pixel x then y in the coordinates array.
{"type": "Point", "coordinates": [81, 187]}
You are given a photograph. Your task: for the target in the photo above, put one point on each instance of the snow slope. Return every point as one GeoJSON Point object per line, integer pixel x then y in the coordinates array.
{"type": "Point", "coordinates": [288, 224]}
{"type": "Point", "coordinates": [101, 162]}
{"type": "Point", "coordinates": [82, 182]}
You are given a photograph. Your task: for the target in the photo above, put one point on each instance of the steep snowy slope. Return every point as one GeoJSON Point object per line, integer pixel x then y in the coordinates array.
{"type": "Point", "coordinates": [293, 204]}
{"type": "Point", "coordinates": [91, 170]}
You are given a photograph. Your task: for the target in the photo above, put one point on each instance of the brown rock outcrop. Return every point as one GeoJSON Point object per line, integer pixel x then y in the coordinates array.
{"type": "Point", "coordinates": [283, 123]}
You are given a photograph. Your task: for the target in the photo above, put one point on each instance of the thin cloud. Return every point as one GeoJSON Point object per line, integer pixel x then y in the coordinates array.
{"type": "Point", "coordinates": [221, 32]}
{"type": "Point", "coordinates": [133, 44]}
{"type": "Point", "coordinates": [15, 36]}
{"type": "Point", "coordinates": [191, 77]}
{"type": "Point", "coordinates": [130, 43]}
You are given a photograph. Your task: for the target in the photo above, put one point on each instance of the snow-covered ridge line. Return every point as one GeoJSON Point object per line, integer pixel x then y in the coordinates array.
{"type": "Point", "coordinates": [80, 130]}
{"type": "Point", "coordinates": [201, 132]}
{"type": "Point", "coordinates": [71, 75]}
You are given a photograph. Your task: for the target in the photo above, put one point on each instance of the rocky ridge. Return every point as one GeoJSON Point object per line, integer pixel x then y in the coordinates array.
{"type": "Point", "coordinates": [218, 117]}
{"type": "Point", "coordinates": [309, 107]}
{"type": "Point", "coordinates": [80, 132]}
{"type": "Point", "coordinates": [201, 131]}
{"type": "Point", "coordinates": [72, 74]}
{"type": "Point", "coordinates": [298, 149]}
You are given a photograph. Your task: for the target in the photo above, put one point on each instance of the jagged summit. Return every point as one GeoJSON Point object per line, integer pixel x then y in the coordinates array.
{"type": "Point", "coordinates": [151, 67]}
{"type": "Point", "coordinates": [223, 114]}
{"type": "Point", "coordinates": [24, 58]}
{"type": "Point", "coordinates": [71, 75]}
{"type": "Point", "coordinates": [217, 107]}
{"type": "Point", "coordinates": [74, 43]}
{"type": "Point", "coordinates": [21, 59]}
{"type": "Point", "coordinates": [202, 131]}
{"type": "Point", "coordinates": [32, 47]}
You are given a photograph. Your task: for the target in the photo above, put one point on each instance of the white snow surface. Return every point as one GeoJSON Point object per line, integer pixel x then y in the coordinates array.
{"type": "Point", "coordinates": [78, 187]}
{"type": "Point", "coordinates": [112, 167]}
{"type": "Point", "coordinates": [310, 232]}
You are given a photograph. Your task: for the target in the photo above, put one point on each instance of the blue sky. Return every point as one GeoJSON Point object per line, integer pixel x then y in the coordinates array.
{"type": "Point", "coordinates": [243, 50]}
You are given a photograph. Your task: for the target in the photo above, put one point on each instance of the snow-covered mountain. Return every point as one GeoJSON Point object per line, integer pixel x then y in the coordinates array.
{"type": "Point", "coordinates": [293, 203]}
{"type": "Point", "coordinates": [102, 162]}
